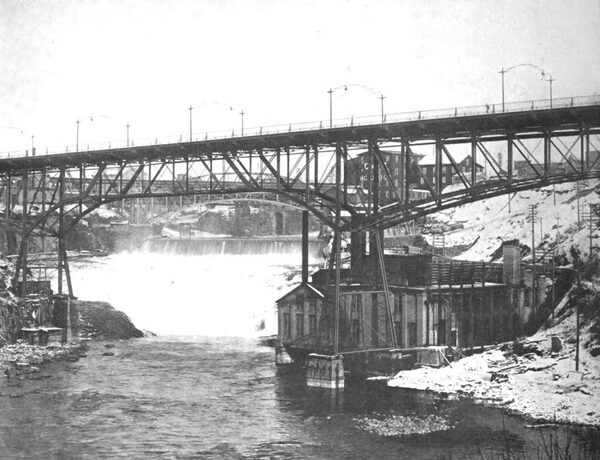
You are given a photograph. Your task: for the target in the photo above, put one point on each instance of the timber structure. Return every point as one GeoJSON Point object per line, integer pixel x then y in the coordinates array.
{"type": "Point", "coordinates": [45, 196]}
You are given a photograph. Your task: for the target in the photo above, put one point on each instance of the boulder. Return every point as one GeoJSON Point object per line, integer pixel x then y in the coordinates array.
{"type": "Point", "coordinates": [101, 320]}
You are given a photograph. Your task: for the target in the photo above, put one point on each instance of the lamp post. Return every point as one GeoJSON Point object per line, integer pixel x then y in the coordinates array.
{"type": "Point", "coordinates": [537, 67]}
{"type": "Point", "coordinates": [357, 85]}
{"type": "Point", "coordinates": [203, 103]}
{"type": "Point", "coordinates": [127, 126]}
{"type": "Point", "coordinates": [549, 80]}
{"type": "Point", "coordinates": [21, 133]}
{"type": "Point", "coordinates": [77, 139]}
{"type": "Point", "coordinates": [330, 107]}
{"type": "Point", "coordinates": [242, 114]}
{"type": "Point", "coordinates": [190, 109]}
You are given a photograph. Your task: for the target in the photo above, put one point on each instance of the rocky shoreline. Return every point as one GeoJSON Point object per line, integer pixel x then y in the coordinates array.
{"type": "Point", "coordinates": [98, 321]}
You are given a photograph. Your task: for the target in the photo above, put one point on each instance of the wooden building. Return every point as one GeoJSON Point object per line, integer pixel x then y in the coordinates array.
{"type": "Point", "coordinates": [432, 302]}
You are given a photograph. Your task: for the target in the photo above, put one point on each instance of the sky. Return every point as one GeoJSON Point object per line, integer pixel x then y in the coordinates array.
{"type": "Point", "coordinates": [143, 63]}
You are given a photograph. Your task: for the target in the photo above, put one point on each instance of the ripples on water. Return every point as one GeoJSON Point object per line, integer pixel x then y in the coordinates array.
{"type": "Point", "coordinates": [173, 397]}
{"type": "Point", "coordinates": [180, 396]}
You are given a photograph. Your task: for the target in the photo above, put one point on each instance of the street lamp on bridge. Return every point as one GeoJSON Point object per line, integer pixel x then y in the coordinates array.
{"type": "Point", "coordinates": [78, 122]}
{"type": "Point", "coordinates": [227, 106]}
{"type": "Point", "coordinates": [354, 85]}
{"type": "Point", "coordinates": [537, 67]}
{"type": "Point", "coordinates": [190, 109]}
{"type": "Point", "coordinates": [22, 132]}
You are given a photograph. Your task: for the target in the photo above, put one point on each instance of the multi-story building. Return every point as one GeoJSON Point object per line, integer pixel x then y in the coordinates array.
{"type": "Point", "coordinates": [449, 175]}
{"type": "Point", "coordinates": [392, 187]}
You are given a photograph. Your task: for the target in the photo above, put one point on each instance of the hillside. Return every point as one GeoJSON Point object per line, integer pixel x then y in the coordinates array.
{"type": "Point", "coordinates": [487, 223]}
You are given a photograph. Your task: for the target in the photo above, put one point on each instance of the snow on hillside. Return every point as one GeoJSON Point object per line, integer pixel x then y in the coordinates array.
{"type": "Point", "coordinates": [488, 222]}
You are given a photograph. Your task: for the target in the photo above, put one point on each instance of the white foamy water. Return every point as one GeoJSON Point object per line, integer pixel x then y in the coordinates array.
{"type": "Point", "coordinates": [211, 295]}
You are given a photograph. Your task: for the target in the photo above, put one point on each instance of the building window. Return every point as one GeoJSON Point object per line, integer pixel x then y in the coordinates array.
{"type": "Point", "coordinates": [412, 334]}
{"type": "Point", "coordinates": [312, 324]}
{"type": "Point", "coordinates": [398, 303]}
{"type": "Point", "coordinates": [299, 325]}
{"type": "Point", "coordinates": [286, 325]}
{"type": "Point", "coordinates": [355, 330]}
{"type": "Point", "coordinates": [300, 303]}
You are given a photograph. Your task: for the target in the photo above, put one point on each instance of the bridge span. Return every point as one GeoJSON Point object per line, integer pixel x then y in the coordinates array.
{"type": "Point", "coordinates": [353, 178]}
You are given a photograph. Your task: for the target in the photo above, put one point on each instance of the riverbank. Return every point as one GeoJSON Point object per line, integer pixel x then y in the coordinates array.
{"type": "Point", "coordinates": [19, 360]}
{"type": "Point", "coordinates": [526, 378]}
{"type": "Point", "coordinates": [98, 320]}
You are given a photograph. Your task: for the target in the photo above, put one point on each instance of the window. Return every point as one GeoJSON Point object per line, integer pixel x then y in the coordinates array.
{"type": "Point", "coordinates": [398, 303]}
{"type": "Point", "coordinates": [412, 334]}
{"type": "Point", "coordinates": [299, 325]}
{"type": "Point", "coordinates": [312, 324]}
{"type": "Point", "coordinates": [355, 331]}
{"type": "Point", "coordinates": [300, 303]}
{"type": "Point", "coordinates": [398, 330]}
{"type": "Point", "coordinates": [287, 332]}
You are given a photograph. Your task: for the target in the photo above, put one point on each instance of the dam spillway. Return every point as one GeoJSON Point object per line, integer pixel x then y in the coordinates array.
{"type": "Point", "coordinates": [232, 246]}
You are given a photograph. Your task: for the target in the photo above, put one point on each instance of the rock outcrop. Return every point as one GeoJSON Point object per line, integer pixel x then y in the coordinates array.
{"type": "Point", "coordinates": [101, 320]}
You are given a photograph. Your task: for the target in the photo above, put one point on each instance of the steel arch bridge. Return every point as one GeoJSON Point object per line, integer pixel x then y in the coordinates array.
{"type": "Point", "coordinates": [315, 169]}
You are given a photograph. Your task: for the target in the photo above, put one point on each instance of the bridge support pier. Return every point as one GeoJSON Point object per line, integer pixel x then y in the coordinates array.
{"type": "Point", "coordinates": [325, 371]}
{"type": "Point", "coordinates": [281, 356]}
{"type": "Point", "coordinates": [66, 316]}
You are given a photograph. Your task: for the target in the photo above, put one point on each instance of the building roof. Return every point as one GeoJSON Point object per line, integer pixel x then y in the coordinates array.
{"type": "Point", "coordinates": [429, 160]}
{"type": "Point", "coordinates": [306, 285]}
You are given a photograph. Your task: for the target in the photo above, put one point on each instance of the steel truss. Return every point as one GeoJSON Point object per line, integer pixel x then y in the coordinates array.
{"type": "Point", "coordinates": [45, 196]}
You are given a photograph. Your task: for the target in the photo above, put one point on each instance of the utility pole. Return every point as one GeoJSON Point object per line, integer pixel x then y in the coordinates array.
{"type": "Point", "coordinates": [577, 336]}
{"type": "Point", "coordinates": [533, 216]}
{"type": "Point", "coordinates": [557, 230]}
{"type": "Point", "coordinates": [242, 114]}
{"type": "Point", "coordinates": [127, 134]}
{"type": "Point", "coordinates": [588, 218]}
{"type": "Point", "coordinates": [577, 192]}
{"type": "Point", "coordinates": [382, 97]}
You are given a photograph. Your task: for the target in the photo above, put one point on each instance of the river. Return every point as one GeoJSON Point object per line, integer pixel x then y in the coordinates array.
{"type": "Point", "coordinates": [205, 387]}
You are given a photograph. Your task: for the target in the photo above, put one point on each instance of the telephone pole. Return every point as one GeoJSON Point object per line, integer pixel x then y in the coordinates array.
{"type": "Point", "coordinates": [533, 216]}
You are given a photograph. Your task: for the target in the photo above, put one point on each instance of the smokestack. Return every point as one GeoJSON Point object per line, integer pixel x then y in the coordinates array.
{"type": "Point", "coordinates": [305, 246]}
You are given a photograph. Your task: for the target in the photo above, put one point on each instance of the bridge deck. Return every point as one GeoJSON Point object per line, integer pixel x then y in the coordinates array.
{"type": "Point", "coordinates": [496, 125]}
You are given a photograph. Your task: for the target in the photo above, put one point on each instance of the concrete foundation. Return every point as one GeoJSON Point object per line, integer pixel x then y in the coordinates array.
{"type": "Point", "coordinates": [431, 356]}
{"type": "Point", "coordinates": [65, 315]}
{"type": "Point", "coordinates": [325, 371]}
{"type": "Point", "coordinates": [281, 356]}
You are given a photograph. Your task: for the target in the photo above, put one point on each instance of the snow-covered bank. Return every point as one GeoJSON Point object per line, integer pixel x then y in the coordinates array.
{"type": "Point", "coordinates": [533, 382]}
{"type": "Point", "coordinates": [22, 359]}
{"type": "Point", "coordinates": [486, 223]}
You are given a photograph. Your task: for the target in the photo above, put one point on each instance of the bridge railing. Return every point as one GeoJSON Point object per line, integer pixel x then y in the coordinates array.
{"type": "Point", "coordinates": [475, 110]}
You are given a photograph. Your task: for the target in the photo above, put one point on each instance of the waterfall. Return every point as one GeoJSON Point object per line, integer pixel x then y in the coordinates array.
{"type": "Point", "coordinates": [231, 246]}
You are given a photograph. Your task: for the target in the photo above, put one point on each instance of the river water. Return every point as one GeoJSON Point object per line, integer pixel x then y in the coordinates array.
{"type": "Point", "coordinates": [205, 387]}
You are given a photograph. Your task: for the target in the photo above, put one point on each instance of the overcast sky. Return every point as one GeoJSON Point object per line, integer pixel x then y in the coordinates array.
{"type": "Point", "coordinates": [144, 62]}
